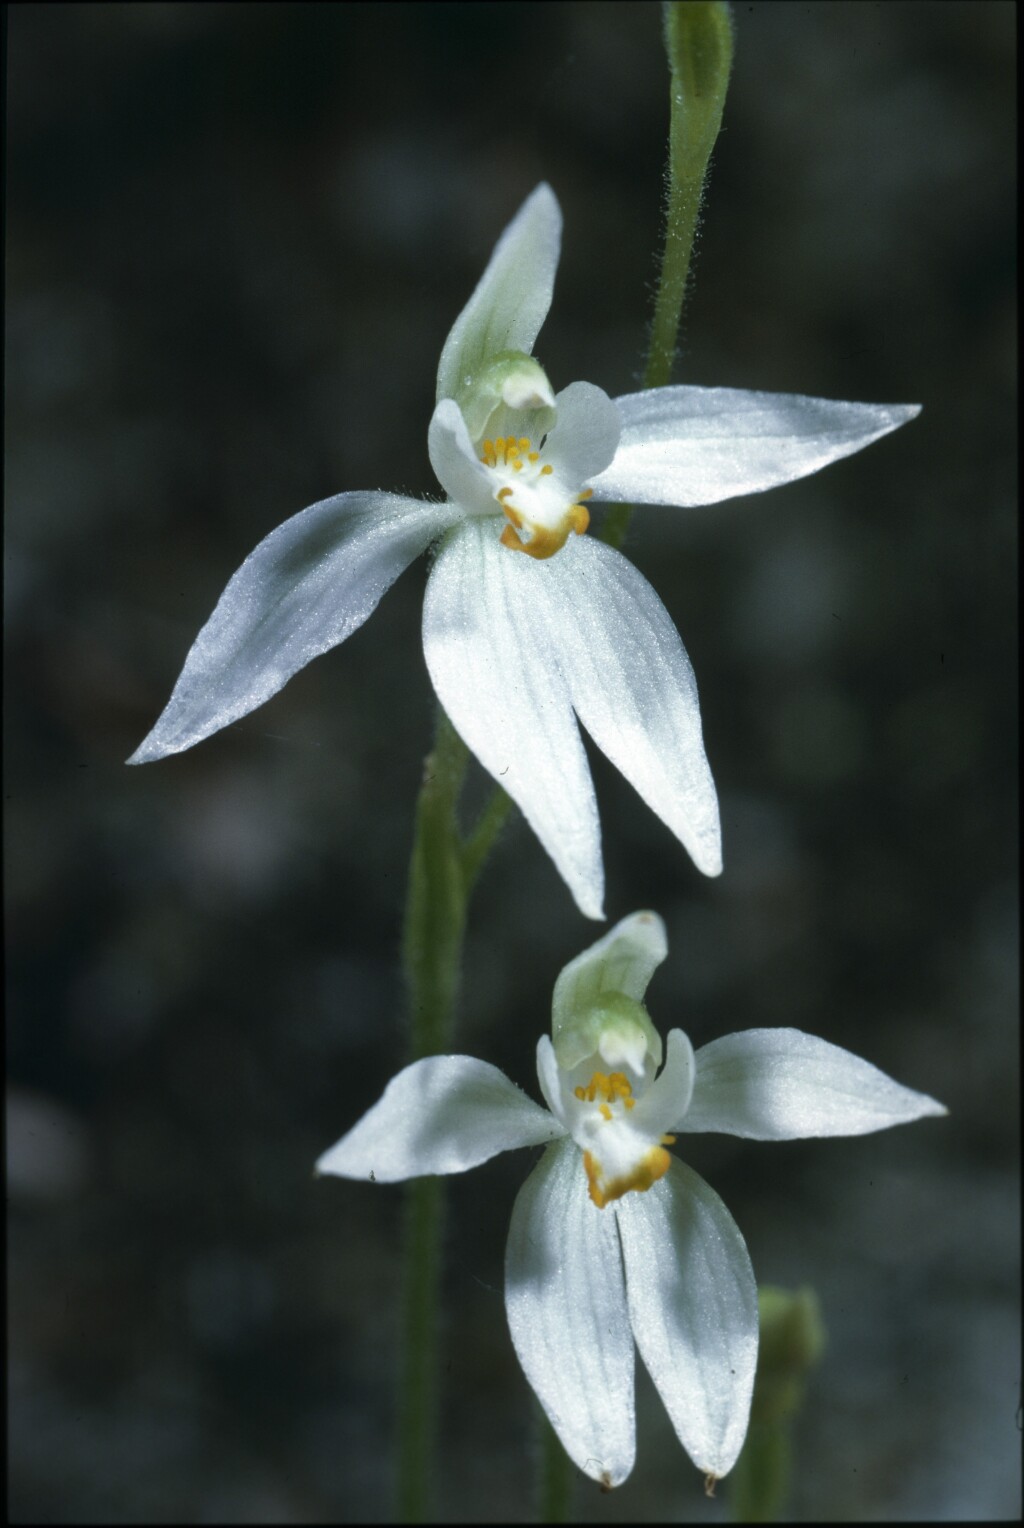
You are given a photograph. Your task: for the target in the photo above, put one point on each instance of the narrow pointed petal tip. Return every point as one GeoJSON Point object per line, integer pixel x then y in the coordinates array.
{"type": "Point", "coordinates": [508, 701]}
{"type": "Point", "coordinates": [632, 686]}
{"type": "Point", "coordinates": [304, 589]}
{"type": "Point", "coordinates": [566, 1306]}
{"type": "Point", "coordinates": [685, 445]}
{"type": "Point", "coordinates": [443, 1114]}
{"type": "Point", "coordinates": [512, 297]}
{"type": "Point", "coordinates": [693, 1309]}
{"type": "Point", "coordinates": [783, 1085]}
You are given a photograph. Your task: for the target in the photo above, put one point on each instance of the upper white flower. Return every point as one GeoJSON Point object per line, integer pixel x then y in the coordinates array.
{"type": "Point", "coordinates": [614, 1241]}
{"type": "Point", "coordinates": [520, 646]}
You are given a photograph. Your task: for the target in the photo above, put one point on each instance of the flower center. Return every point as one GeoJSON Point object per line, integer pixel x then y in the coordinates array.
{"type": "Point", "coordinates": [540, 509]}
{"type": "Point", "coordinates": [613, 1087]}
{"type": "Point", "coordinates": [620, 1160]}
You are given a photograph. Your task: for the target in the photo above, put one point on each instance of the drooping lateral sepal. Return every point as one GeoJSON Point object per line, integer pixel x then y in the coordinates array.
{"type": "Point", "coordinates": [507, 699]}
{"type": "Point", "coordinates": [693, 1309]}
{"type": "Point", "coordinates": [632, 686]}
{"type": "Point", "coordinates": [566, 1306]}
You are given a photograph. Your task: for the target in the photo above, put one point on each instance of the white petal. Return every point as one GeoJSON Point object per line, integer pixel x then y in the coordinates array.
{"type": "Point", "coordinates": [444, 1114]}
{"type": "Point", "coordinates": [567, 1314]}
{"type": "Point", "coordinates": [305, 588]}
{"type": "Point", "coordinates": [623, 960]}
{"type": "Point", "coordinates": [585, 436]}
{"type": "Point", "coordinates": [781, 1085]}
{"type": "Point", "coordinates": [506, 696]}
{"type": "Point", "coordinates": [633, 688]}
{"type": "Point", "coordinates": [456, 465]}
{"type": "Point", "coordinates": [668, 1097]}
{"type": "Point", "coordinates": [513, 295]}
{"type": "Point", "coordinates": [693, 1308]}
{"type": "Point", "coordinates": [550, 1080]}
{"type": "Point", "coordinates": [697, 445]}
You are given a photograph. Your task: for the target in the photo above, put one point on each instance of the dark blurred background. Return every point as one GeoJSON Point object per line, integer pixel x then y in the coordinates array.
{"type": "Point", "coordinates": [237, 236]}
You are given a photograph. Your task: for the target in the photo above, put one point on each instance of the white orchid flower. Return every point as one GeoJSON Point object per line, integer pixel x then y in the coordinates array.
{"type": "Point", "coordinates": [520, 647]}
{"type": "Point", "coordinates": [613, 1240]}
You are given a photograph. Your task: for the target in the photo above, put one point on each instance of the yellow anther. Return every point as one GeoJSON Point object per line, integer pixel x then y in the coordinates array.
{"type": "Point", "coordinates": [546, 470]}
{"type": "Point", "coordinates": [610, 1085]}
{"type": "Point", "coordinates": [668, 1140]}
{"type": "Point", "coordinates": [534, 457]}
{"type": "Point", "coordinates": [503, 492]}
{"type": "Point", "coordinates": [630, 1103]}
{"type": "Point", "coordinates": [524, 443]}
{"type": "Point", "coordinates": [517, 465]}
{"type": "Point", "coordinates": [588, 493]}
{"type": "Point", "coordinates": [606, 1112]}
{"type": "Point", "coordinates": [581, 1093]}
{"type": "Point", "coordinates": [579, 518]}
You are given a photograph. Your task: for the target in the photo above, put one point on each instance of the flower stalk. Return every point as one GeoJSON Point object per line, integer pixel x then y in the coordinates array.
{"type": "Point", "coordinates": [431, 956]}
{"type": "Point", "coordinates": [698, 41]}
{"type": "Point", "coordinates": [442, 872]}
{"type": "Point", "coordinates": [435, 911]}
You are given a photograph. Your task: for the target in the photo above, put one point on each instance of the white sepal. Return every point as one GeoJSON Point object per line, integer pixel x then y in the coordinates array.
{"type": "Point", "coordinates": [693, 1308]}
{"type": "Point", "coordinates": [623, 960]}
{"type": "Point", "coordinates": [444, 1114]}
{"type": "Point", "coordinates": [305, 588]}
{"type": "Point", "coordinates": [782, 1085]}
{"type": "Point", "coordinates": [698, 445]}
{"type": "Point", "coordinates": [566, 1308]}
{"type": "Point", "coordinates": [512, 297]}
{"type": "Point", "coordinates": [633, 688]}
{"type": "Point", "coordinates": [506, 697]}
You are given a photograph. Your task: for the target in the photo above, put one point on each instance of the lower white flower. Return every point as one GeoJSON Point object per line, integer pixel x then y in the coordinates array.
{"type": "Point", "coordinates": [613, 1241]}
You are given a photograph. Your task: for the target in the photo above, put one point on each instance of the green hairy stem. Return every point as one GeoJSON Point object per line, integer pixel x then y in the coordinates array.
{"type": "Point", "coordinates": [442, 873]}
{"type": "Point", "coordinates": [698, 41]}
